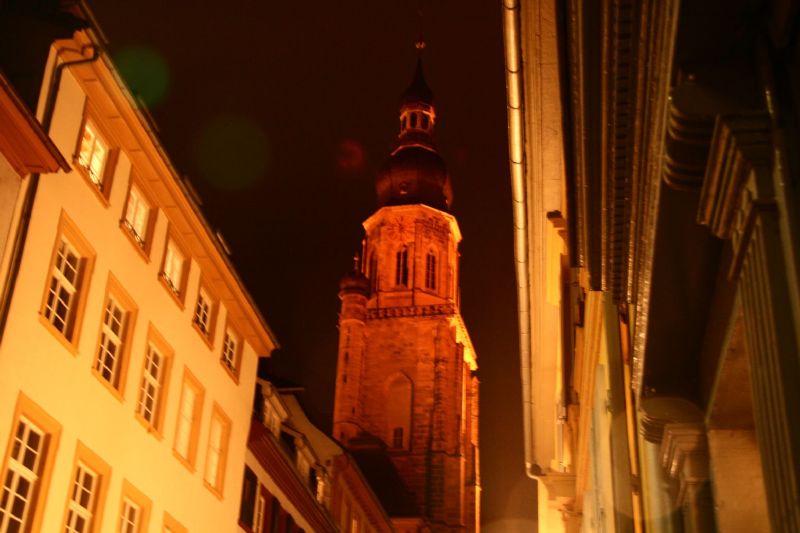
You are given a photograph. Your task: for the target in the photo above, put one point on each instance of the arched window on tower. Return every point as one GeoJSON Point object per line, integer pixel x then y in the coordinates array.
{"type": "Point", "coordinates": [372, 273]}
{"type": "Point", "coordinates": [399, 397]}
{"type": "Point", "coordinates": [401, 268]}
{"type": "Point", "coordinates": [430, 271]}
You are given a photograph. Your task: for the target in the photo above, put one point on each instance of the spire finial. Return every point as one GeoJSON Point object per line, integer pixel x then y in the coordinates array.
{"type": "Point", "coordinates": [420, 43]}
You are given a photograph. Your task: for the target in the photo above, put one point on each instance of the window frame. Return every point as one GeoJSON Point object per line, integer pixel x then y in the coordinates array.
{"type": "Point", "coordinates": [178, 292]}
{"type": "Point", "coordinates": [103, 188]}
{"type": "Point", "coordinates": [430, 271]}
{"type": "Point", "coordinates": [401, 267]}
{"type": "Point", "coordinates": [218, 485]}
{"type": "Point", "coordinates": [91, 461]}
{"type": "Point", "coordinates": [142, 243]}
{"type": "Point", "coordinates": [68, 232]}
{"type": "Point", "coordinates": [213, 309]}
{"type": "Point", "coordinates": [172, 525]}
{"type": "Point", "coordinates": [26, 409]}
{"type": "Point", "coordinates": [247, 508]}
{"type": "Point", "coordinates": [156, 340]}
{"type": "Point", "coordinates": [115, 290]}
{"type": "Point", "coordinates": [190, 381]}
{"type": "Point", "coordinates": [136, 497]}
{"type": "Point", "coordinates": [230, 331]}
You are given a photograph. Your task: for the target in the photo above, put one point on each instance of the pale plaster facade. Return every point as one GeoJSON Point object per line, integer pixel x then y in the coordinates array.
{"type": "Point", "coordinates": [47, 377]}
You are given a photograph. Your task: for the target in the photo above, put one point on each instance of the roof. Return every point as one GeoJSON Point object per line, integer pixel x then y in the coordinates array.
{"type": "Point", "coordinates": [418, 91]}
{"type": "Point", "coordinates": [382, 476]}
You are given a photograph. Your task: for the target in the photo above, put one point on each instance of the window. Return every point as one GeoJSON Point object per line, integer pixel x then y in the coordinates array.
{"type": "Point", "coordinates": [401, 268]}
{"type": "Point", "coordinates": [61, 296]}
{"type": "Point", "coordinates": [130, 517]}
{"type": "Point", "coordinates": [22, 474]}
{"type": "Point", "coordinates": [134, 510]}
{"type": "Point", "coordinates": [119, 314]}
{"type": "Point", "coordinates": [204, 313]}
{"type": "Point", "coordinates": [86, 492]}
{"type": "Point", "coordinates": [275, 514]}
{"type": "Point", "coordinates": [188, 425]}
{"type": "Point", "coordinates": [137, 217]}
{"type": "Point", "coordinates": [69, 273]}
{"type": "Point", "coordinates": [152, 388]}
{"type": "Point", "coordinates": [247, 510]}
{"type": "Point", "coordinates": [173, 271]}
{"type": "Point", "coordinates": [258, 519]}
{"type": "Point", "coordinates": [217, 450]}
{"type": "Point", "coordinates": [82, 500]}
{"type": "Point", "coordinates": [152, 378]}
{"type": "Point", "coordinates": [231, 348]}
{"type": "Point", "coordinates": [430, 271]}
{"type": "Point", "coordinates": [27, 466]}
{"type": "Point", "coordinates": [93, 154]}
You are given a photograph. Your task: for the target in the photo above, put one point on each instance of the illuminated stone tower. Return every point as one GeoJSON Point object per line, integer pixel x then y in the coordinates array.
{"type": "Point", "coordinates": [406, 388]}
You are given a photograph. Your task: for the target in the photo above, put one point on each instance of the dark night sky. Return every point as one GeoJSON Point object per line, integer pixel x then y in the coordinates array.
{"type": "Point", "coordinates": [281, 113]}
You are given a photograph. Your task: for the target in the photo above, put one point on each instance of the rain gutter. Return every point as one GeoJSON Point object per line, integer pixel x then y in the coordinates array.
{"type": "Point", "coordinates": [21, 234]}
{"type": "Point", "coordinates": [516, 158]}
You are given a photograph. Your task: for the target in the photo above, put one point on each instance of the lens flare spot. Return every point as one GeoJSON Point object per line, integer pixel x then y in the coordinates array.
{"type": "Point", "coordinates": [351, 156]}
{"type": "Point", "coordinates": [232, 152]}
{"type": "Point", "coordinates": [145, 71]}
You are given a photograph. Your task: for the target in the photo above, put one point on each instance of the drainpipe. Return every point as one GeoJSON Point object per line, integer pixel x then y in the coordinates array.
{"type": "Point", "coordinates": [516, 158]}
{"type": "Point", "coordinates": [21, 234]}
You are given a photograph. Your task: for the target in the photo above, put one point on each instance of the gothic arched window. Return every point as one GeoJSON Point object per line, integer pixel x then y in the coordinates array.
{"type": "Point", "coordinates": [401, 268]}
{"type": "Point", "coordinates": [399, 394]}
{"type": "Point", "coordinates": [430, 271]}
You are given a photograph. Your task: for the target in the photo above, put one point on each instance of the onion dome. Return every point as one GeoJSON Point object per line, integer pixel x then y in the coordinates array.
{"type": "Point", "coordinates": [415, 173]}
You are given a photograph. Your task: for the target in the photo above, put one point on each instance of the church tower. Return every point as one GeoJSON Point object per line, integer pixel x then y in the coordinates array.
{"type": "Point", "coordinates": [406, 390]}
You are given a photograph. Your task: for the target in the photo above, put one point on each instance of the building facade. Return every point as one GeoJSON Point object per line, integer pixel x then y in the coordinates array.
{"type": "Point", "coordinates": [297, 478]}
{"type": "Point", "coordinates": [652, 149]}
{"type": "Point", "coordinates": [406, 398]}
{"type": "Point", "coordinates": [129, 346]}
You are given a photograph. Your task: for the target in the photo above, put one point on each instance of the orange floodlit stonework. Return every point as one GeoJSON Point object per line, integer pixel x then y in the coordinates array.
{"type": "Point", "coordinates": [406, 392]}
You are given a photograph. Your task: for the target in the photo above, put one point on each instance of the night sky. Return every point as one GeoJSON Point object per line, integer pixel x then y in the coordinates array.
{"type": "Point", "coordinates": [280, 114]}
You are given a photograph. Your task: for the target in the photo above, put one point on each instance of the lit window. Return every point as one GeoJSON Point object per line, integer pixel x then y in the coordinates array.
{"type": "Point", "coordinates": [430, 271]}
{"type": "Point", "coordinates": [93, 154]}
{"type": "Point", "coordinates": [152, 382]}
{"type": "Point", "coordinates": [112, 333]}
{"type": "Point", "coordinates": [202, 312]}
{"type": "Point", "coordinates": [188, 418]}
{"type": "Point", "coordinates": [21, 476]}
{"type": "Point", "coordinates": [217, 450]}
{"type": "Point", "coordinates": [130, 517]}
{"type": "Point", "coordinates": [230, 350]}
{"type": "Point", "coordinates": [173, 267]}
{"type": "Point", "coordinates": [137, 212]}
{"type": "Point", "coordinates": [62, 292]}
{"type": "Point", "coordinates": [82, 497]}
{"type": "Point", "coordinates": [401, 268]}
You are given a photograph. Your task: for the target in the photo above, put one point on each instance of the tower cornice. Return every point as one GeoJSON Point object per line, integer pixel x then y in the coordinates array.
{"type": "Point", "coordinates": [412, 209]}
